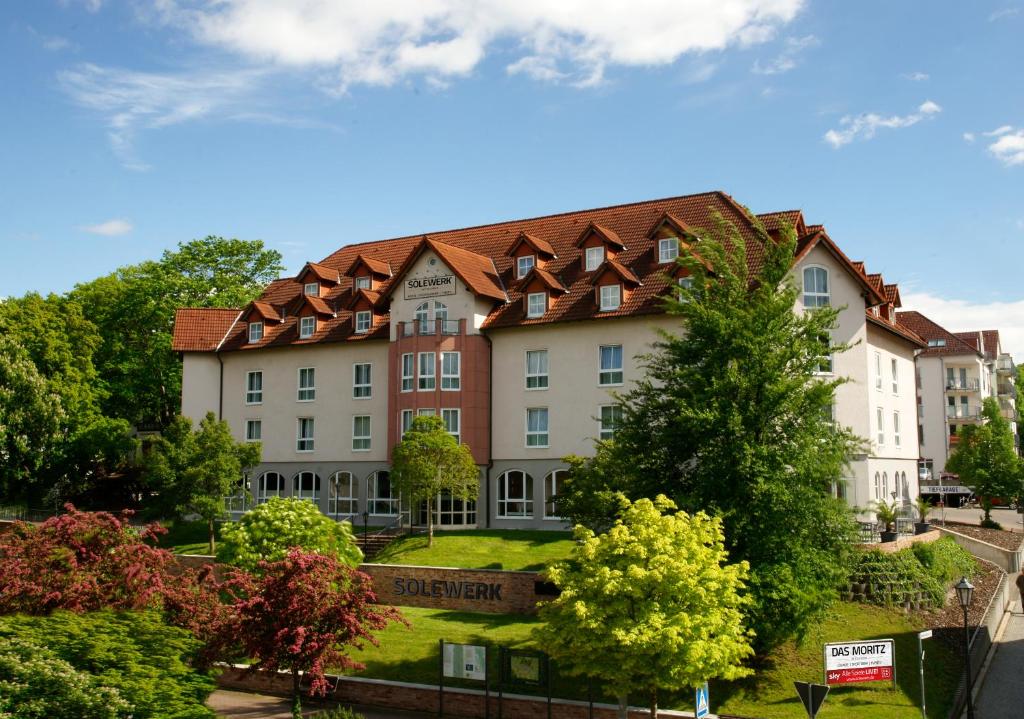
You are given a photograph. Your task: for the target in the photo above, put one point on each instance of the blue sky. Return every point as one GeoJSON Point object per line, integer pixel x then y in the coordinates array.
{"type": "Point", "coordinates": [131, 126]}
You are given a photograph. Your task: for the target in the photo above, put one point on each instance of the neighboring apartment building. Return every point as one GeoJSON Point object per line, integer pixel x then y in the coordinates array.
{"type": "Point", "coordinates": [517, 334]}
{"type": "Point", "coordinates": [956, 372]}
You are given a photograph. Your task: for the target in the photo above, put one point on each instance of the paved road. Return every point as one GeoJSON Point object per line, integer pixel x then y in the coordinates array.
{"type": "Point", "coordinates": [243, 705]}
{"type": "Point", "coordinates": [1002, 692]}
{"type": "Point", "coordinates": [1009, 518]}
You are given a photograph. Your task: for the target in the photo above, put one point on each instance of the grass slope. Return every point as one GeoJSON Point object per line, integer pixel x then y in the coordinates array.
{"type": "Point", "coordinates": [523, 550]}
{"type": "Point", "coordinates": [188, 537]}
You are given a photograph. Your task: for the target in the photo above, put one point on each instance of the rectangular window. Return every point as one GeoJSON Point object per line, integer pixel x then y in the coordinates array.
{"type": "Point", "coordinates": [305, 435]}
{"type": "Point", "coordinates": [307, 326]}
{"type": "Point", "coordinates": [428, 371]}
{"type": "Point", "coordinates": [668, 249]}
{"type": "Point", "coordinates": [450, 371]}
{"type": "Point", "coordinates": [880, 417]}
{"type": "Point", "coordinates": [255, 331]}
{"type": "Point", "coordinates": [595, 256]}
{"type": "Point", "coordinates": [406, 421]}
{"type": "Point", "coordinates": [523, 266]}
{"type": "Point", "coordinates": [408, 370]}
{"type": "Point", "coordinates": [611, 297]}
{"type": "Point", "coordinates": [307, 384]}
{"type": "Point", "coordinates": [611, 417]}
{"type": "Point", "coordinates": [361, 433]}
{"type": "Point", "coordinates": [426, 412]}
{"type": "Point", "coordinates": [537, 427]}
{"type": "Point", "coordinates": [536, 304]}
{"type": "Point", "coordinates": [312, 289]}
{"type": "Point", "coordinates": [361, 381]}
{"type": "Point", "coordinates": [895, 376]}
{"type": "Point", "coordinates": [253, 430]}
{"type": "Point", "coordinates": [364, 319]}
{"type": "Point", "coordinates": [363, 283]}
{"type": "Point", "coordinates": [825, 362]}
{"type": "Point", "coordinates": [896, 429]}
{"type": "Point", "coordinates": [611, 365]}
{"type": "Point", "coordinates": [452, 423]}
{"type": "Point", "coordinates": [878, 370]}
{"type": "Point", "coordinates": [254, 387]}
{"type": "Point", "coordinates": [536, 369]}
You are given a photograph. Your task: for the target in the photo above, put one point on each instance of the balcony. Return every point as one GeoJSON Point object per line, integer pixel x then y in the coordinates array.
{"type": "Point", "coordinates": [1006, 389]}
{"type": "Point", "coordinates": [431, 327]}
{"type": "Point", "coordinates": [961, 412]}
{"type": "Point", "coordinates": [963, 385]}
{"type": "Point", "coordinates": [1004, 365]}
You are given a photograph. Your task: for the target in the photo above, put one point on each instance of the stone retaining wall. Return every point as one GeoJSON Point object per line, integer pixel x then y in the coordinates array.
{"type": "Point", "coordinates": [1009, 560]}
{"type": "Point", "coordinates": [473, 590]}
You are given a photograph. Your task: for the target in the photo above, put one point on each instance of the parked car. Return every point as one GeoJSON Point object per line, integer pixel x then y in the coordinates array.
{"type": "Point", "coordinates": [996, 502]}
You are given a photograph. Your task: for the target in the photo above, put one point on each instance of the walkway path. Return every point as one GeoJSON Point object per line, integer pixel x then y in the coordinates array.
{"type": "Point", "coordinates": [1001, 693]}
{"type": "Point", "coordinates": [243, 705]}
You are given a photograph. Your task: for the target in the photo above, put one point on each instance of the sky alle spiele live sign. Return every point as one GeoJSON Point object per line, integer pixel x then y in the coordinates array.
{"type": "Point", "coordinates": [867, 661]}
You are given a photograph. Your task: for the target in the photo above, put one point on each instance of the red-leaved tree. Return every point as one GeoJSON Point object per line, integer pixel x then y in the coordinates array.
{"type": "Point", "coordinates": [304, 612]}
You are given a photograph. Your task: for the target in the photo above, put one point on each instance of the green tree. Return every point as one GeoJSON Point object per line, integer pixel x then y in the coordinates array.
{"type": "Point", "coordinates": [650, 605]}
{"type": "Point", "coordinates": [986, 459]}
{"type": "Point", "coordinates": [427, 462]}
{"type": "Point", "coordinates": [733, 418]}
{"type": "Point", "coordinates": [192, 472]}
{"type": "Point", "coordinates": [268, 531]}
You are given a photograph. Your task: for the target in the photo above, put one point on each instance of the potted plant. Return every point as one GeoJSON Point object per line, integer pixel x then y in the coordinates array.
{"type": "Point", "coordinates": [923, 506]}
{"type": "Point", "coordinates": [887, 513]}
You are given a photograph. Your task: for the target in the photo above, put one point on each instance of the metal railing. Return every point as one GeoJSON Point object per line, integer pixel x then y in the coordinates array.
{"type": "Point", "coordinates": [431, 327]}
{"type": "Point", "coordinates": [970, 384]}
{"type": "Point", "coordinates": [1004, 364]}
{"type": "Point", "coordinates": [961, 412]}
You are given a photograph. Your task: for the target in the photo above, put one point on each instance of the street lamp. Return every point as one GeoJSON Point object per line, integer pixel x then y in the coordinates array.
{"type": "Point", "coordinates": [964, 593]}
{"type": "Point", "coordinates": [336, 483]}
{"type": "Point", "coordinates": [248, 489]}
{"type": "Point", "coordinates": [366, 520]}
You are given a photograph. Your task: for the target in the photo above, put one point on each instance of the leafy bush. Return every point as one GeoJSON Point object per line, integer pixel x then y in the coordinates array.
{"type": "Point", "coordinates": [339, 713]}
{"type": "Point", "coordinates": [989, 523]}
{"type": "Point", "coordinates": [134, 653]}
{"type": "Point", "coordinates": [268, 531]}
{"type": "Point", "coordinates": [897, 578]}
{"type": "Point", "coordinates": [945, 559]}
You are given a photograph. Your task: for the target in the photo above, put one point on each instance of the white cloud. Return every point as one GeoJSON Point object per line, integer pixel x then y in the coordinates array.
{"type": "Point", "coordinates": [92, 6]}
{"type": "Point", "coordinates": [110, 228]}
{"type": "Point", "coordinates": [969, 137]}
{"type": "Point", "coordinates": [915, 76]}
{"type": "Point", "coordinates": [789, 58]}
{"type": "Point", "coordinates": [1009, 147]}
{"type": "Point", "coordinates": [1004, 13]}
{"type": "Point", "coordinates": [865, 126]}
{"type": "Point", "coordinates": [965, 316]}
{"type": "Point", "coordinates": [1001, 130]}
{"type": "Point", "coordinates": [382, 42]}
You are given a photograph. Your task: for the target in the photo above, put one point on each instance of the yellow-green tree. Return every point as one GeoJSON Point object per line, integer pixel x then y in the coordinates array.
{"type": "Point", "coordinates": [650, 605]}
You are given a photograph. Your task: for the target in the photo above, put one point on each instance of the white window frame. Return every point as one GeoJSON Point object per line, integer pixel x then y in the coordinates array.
{"type": "Point", "coordinates": [254, 424]}
{"type": "Point", "coordinates": [880, 419]}
{"type": "Point", "coordinates": [392, 503]}
{"type": "Point", "coordinates": [524, 261]}
{"type": "Point", "coordinates": [542, 437]}
{"type": "Point", "coordinates": [540, 377]}
{"type": "Point", "coordinates": [313, 494]}
{"type": "Point", "coordinates": [536, 304]}
{"type": "Point", "coordinates": [524, 500]}
{"type": "Point", "coordinates": [610, 301]}
{"type": "Point", "coordinates": [310, 389]}
{"type": "Point", "coordinates": [349, 502]}
{"type": "Point", "coordinates": [408, 370]}
{"type": "Point", "coordinates": [362, 442]}
{"type": "Point", "coordinates": [668, 249]}
{"type": "Point", "coordinates": [253, 396]}
{"type": "Point", "coordinates": [363, 322]}
{"type": "Point", "coordinates": [307, 326]}
{"type": "Point", "coordinates": [405, 418]}
{"type": "Point", "coordinates": [878, 485]}
{"type": "Point", "coordinates": [255, 332]}
{"type": "Point", "coordinates": [896, 428]}
{"type": "Point", "coordinates": [362, 390]}
{"type": "Point", "coordinates": [604, 432]}
{"type": "Point", "coordinates": [827, 359]}
{"type": "Point", "coordinates": [611, 371]}
{"type": "Point", "coordinates": [262, 493]}
{"type": "Point", "coordinates": [449, 414]}
{"type": "Point", "coordinates": [451, 378]}
{"type": "Point", "coordinates": [426, 412]}
{"type": "Point", "coordinates": [894, 363]}
{"type": "Point", "coordinates": [551, 481]}
{"type": "Point", "coordinates": [593, 258]}
{"type": "Point", "coordinates": [311, 289]}
{"type": "Point", "coordinates": [878, 371]}
{"type": "Point", "coordinates": [304, 442]}
{"type": "Point", "coordinates": [363, 282]}
{"type": "Point", "coordinates": [427, 381]}
{"type": "Point", "coordinates": [815, 297]}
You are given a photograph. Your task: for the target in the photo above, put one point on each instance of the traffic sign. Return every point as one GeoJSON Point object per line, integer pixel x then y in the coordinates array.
{"type": "Point", "coordinates": [702, 702]}
{"type": "Point", "coordinates": [811, 696]}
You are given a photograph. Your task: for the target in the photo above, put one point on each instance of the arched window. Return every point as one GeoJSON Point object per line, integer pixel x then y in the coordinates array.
{"type": "Point", "coordinates": [878, 485]}
{"type": "Point", "coordinates": [816, 292]}
{"type": "Point", "coordinates": [306, 485]}
{"type": "Point", "coordinates": [341, 494]}
{"type": "Point", "coordinates": [515, 494]}
{"type": "Point", "coordinates": [380, 496]}
{"type": "Point", "coordinates": [552, 488]}
{"type": "Point", "coordinates": [429, 311]}
{"type": "Point", "coordinates": [885, 486]}
{"type": "Point", "coordinates": [270, 484]}
{"type": "Point", "coordinates": [905, 492]}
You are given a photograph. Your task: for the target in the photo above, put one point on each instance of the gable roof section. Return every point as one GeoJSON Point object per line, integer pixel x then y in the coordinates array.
{"type": "Point", "coordinates": [875, 295]}
{"type": "Point", "coordinates": [991, 338]}
{"type": "Point", "coordinates": [610, 265]}
{"type": "Point", "coordinates": [369, 295]}
{"type": "Point", "coordinates": [375, 266]}
{"type": "Point", "coordinates": [264, 309]}
{"type": "Point", "coordinates": [897, 328]}
{"type": "Point", "coordinates": [540, 246]}
{"type": "Point", "coordinates": [546, 278]}
{"type": "Point", "coordinates": [929, 330]}
{"type": "Point", "coordinates": [198, 329]}
{"type": "Point", "coordinates": [667, 218]}
{"type": "Point", "coordinates": [319, 305]}
{"type": "Point", "coordinates": [327, 274]}
{"type": "Point", "coordinates": [607, 235]}
{"type": "Point", "coordinates": [892, 295]}
{"type": "Point", "coordinates": [774, 221]}
{"type": "Point", "coordinates": [477, 272]}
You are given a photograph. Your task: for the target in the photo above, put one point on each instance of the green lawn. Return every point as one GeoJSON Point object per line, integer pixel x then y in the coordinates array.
{"type": "Point", "coordinates": [187, 537]}
{"type": "Point", "coordinates": [410, 654]}
{"type": "Point", "coordinates": [524, 550]}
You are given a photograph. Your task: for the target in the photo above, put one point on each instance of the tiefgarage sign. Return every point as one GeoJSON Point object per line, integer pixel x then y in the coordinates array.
{"type": "Point", "coordinates": [433, 286]}
{"type": "Point", "coordinates": [868, 661]}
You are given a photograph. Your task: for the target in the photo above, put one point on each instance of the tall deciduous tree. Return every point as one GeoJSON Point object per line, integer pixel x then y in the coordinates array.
{"type": "Point", "coordinates": [427, 462]}
{"type": "Point", "coordinates": [986, 460]}
{"type": "Point", "coordinates": [733, 418]}
{"type": "Point", "coordinates": [650, 605]}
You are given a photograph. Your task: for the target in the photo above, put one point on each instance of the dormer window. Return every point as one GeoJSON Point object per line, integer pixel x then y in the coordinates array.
{"type": "Point", "coordinates": [668, 249]}
{"type": "Point", "coordinates": [312, 289]}
{"type": "Point", "coordinates": [255, 332]}
{"type": "Point", "coordinates": [307, 326]}
{"type": "Point", "coordinates": [611, 297]}
{"type": "Point", "coordinates": [523, 266]}
{"type": "Point", "coordinates": [536, 304]}
{"type": "Point", "coordinates": [594, 258]}
{"type": "Point", "coordinates": [363, 283]}
{"type": "Point", "coordinates": [364, 320]}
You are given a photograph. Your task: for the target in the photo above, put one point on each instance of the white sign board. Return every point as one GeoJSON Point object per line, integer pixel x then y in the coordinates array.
{"type": "Point", "coordinates": [465, 661]}
{"type": "Point", "coordinates": [433, 286]}
{"type": "Point", "coordinates": [867, 661]}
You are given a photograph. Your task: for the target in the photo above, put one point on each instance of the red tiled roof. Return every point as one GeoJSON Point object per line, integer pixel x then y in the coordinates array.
{"type": "Point", "coordinates": [540, 246]}
{"type": "Point", "coordinates": [377, 267]}
{"type": "Point", "coordinates": [991, 343]}
{"type": "Point", "coordinates": [618, 268]}
{"type": "Point", "coordinates": [774, 221]}
{"type": "Point", "coordinates": [606, 234]}
{"type": "Point", "coordinates": [674, 222]}
{"type": "Point", "coordinates": [265, 310]}
{"type": "Point", "coordinates": [892, 295]}
{"type": "Point", "coordinates": [319, 305]}
{"type": "Point", "coordinates": [929, 330]}
{"type": "Point", "coordinates": [198, 329]}
{"type": "Point", "coordinates": [548, 279]}
{"type": "Point", "coordinates": [819, 237]}
{"type": "Point", "coordinates": [896, 327]}
{"type": "Point", "coordinates": [327, 274]}
{"type": "Point", "coordinates": [372, 297]}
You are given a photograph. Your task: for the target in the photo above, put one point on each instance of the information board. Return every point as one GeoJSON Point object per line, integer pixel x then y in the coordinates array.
{"type": "Point", "coordinates": [867, 661]}
{"type": "Point", "coordinates": [465, 661]}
